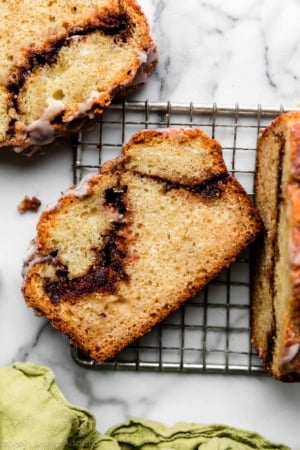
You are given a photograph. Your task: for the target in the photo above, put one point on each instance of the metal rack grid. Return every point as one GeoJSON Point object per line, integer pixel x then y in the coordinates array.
{"type": "Point", "coordinates": [211, 332]}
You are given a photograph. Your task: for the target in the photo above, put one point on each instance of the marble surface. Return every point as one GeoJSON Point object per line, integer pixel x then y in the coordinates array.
{"type": "Point", "coordinates": [210, 51]}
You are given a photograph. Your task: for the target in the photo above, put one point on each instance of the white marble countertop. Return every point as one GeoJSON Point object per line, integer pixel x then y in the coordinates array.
{"type": "Point", "coordinates": [210, 51]}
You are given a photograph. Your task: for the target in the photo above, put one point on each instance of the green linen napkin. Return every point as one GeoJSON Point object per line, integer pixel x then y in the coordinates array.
{"type": "Point", "coordinates": [147, 435]}
{"type": "Point", "coordinates": [35, 415]}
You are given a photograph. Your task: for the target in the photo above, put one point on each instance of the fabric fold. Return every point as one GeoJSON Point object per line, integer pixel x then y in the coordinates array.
{"type": "Point", "coordinates": [34, 415]}
{"type": "Point", "coordinates": [147, 434]}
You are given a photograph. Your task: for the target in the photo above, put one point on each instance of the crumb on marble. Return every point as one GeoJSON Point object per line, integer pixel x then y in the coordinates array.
{"type": "Point", "coordinates": [29, 204]}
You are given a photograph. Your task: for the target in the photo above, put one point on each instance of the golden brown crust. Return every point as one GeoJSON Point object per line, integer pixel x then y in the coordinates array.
{"type": "Point", "coordinates": [150, 238]}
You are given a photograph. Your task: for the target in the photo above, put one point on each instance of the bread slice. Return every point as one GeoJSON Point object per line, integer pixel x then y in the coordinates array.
{"type": "Point", "coordinates": [116, 254]}
{"type": "Point", "coordinates": [275, 295]}
{"type": "Point", "coordinates": [63, 61]}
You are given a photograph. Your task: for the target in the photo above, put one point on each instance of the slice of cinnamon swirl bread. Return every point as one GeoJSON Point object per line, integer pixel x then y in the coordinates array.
{"type": "Point", "coordinates": [276, 274]}
{"type": "Point", "coordinates": [116, 254]}
{"type": "Point", "coordinates": [63, 61]}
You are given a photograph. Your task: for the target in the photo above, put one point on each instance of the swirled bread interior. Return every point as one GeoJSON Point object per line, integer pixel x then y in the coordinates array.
{"type": "Point", "coordinates": [116, 254]}
{"type": "Point", "coordinates": [63, 61]}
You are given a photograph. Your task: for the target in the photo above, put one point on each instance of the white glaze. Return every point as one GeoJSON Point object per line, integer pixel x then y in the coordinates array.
{"type": "Point", "coordinates": [81, 189]}
{"type": "Point", "coordinates": [85, 108]}
{"type": "Point", "coordinates": [146, 59]}
{"type": "Point", "coordinates": [32, 257]}
{"type": "Point", "coordinates": [143, 56]}
{"type": "Point", "coordinates": [290, 352]}
{"type": "Point", "coordinates": [41, 131]}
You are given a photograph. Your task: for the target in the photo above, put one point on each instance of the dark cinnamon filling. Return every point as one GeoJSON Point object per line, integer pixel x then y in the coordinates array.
{"type": "Point", "coordinates": [109, 266]}
{"type": "Point", "coordinates": [275, 246]}
{"type": "Point", "coordinates": [114, 197]}
{"type": "Point", "coordinates": [211, 188]}
{"type": "Point", "coordinates": [103, 276]}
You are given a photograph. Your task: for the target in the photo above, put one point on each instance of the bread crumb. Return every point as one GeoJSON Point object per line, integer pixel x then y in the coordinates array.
{"type": "Point", "coordinates": [29, 204]}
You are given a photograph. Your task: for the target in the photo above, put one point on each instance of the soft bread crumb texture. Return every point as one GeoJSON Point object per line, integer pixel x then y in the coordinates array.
{"type": "Point", "coordinates": [115, 260]}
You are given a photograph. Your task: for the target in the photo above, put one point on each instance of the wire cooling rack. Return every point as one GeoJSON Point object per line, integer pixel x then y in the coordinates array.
{"type": "Point", "coordinates": [211, 332]}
